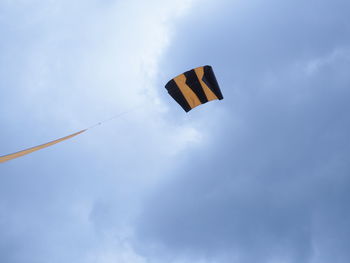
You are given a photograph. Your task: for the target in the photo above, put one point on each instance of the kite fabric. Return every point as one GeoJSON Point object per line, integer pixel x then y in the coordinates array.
{"type": "Point", "coordinates": [36, 148]}
{"type": "Point", "coordinates": [9, 157]}
{"type": "Point", "coordinates": [194, 87]}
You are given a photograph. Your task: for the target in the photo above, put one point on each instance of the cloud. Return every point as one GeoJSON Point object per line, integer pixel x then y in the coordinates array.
{"type": "Point", "coordinates": [258, 177]}
{"type": "Point", "coordinates": [271, 185]}
{"type": "Point", "coordinates": [66, 66]}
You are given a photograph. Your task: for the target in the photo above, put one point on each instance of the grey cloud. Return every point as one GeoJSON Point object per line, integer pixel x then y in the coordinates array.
{"type": "Point", "coordinates": [273, 184]}
{"type": "Point", "coordinates": [270, 183]}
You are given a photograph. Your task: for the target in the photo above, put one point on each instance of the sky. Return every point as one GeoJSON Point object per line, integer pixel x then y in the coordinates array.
{"type": "Point", "coordinates": [261, 176]}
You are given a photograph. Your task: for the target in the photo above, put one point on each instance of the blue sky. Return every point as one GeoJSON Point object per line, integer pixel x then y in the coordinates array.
{"type": "Point", "coordinates": [262, 176]}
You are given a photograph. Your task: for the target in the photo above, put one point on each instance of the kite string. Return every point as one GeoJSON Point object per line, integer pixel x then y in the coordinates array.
{"type": "Point", "coordinates": [11, 156]}
{"type": "Point", "coordinates": [115, 117]}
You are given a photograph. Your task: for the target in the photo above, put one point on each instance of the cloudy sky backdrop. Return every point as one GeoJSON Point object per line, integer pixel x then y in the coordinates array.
{"type": "Point", "coordinates": [262, 176]}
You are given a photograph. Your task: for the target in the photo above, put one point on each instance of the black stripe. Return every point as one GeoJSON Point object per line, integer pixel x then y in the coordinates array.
{"type": "Point", "coordinates": [193, 82]}
{"type": "Point", "coordinates": [210, 79]}
{"type": "Point", "coordinates": [177, 95]}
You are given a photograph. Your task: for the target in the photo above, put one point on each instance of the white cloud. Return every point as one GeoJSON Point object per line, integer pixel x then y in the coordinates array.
{"type": "Point", "coordinates": [313, 66]}
{"type": "Point", "coordinates": [76, 63]}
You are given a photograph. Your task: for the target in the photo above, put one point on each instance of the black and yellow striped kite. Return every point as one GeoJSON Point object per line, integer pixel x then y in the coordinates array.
{"type": "Point", "coordinates": [190, 89]}
{"type": "Point", "coordinates": [194, 87]}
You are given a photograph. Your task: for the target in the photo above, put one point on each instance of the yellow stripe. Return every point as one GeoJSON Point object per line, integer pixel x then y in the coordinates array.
{"type": "Point", "coordinates": [208, 92]}
{"type": "Point", "coordinates": [188, 93]}
{"type": "Point", "coordinates": [36, 148]}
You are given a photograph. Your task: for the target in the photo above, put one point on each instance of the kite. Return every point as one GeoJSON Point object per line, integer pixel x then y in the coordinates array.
{"type": "Point", "coordinates": [194, 87]}
{"type": "Point", "coordinates": [190, 89]}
